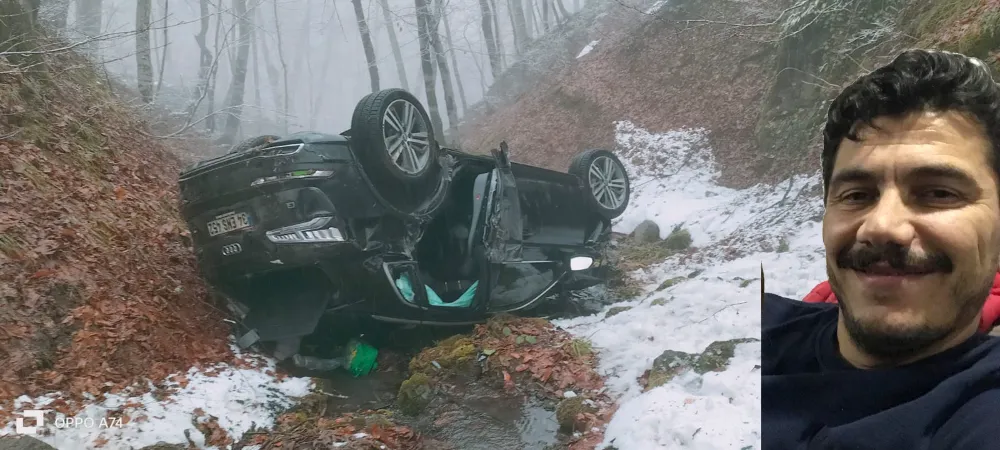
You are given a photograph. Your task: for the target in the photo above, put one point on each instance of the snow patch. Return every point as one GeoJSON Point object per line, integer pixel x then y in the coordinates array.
{"type": "Point", "coordinates": [674, 183]}
{"type": "Point", "coordinates": [238, 397]}
{"type": "Point", "coordinates": [587, 49]}
{"type": "Point", "coordinates": [655, 7]}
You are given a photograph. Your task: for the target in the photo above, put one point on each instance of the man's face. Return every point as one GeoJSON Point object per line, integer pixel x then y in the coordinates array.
{"type": "Point", "coordinates": [912, 231]}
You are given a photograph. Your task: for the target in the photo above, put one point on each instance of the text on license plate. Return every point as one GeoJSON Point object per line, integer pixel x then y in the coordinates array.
{"type": "Point", "coordinates": [228, 222]}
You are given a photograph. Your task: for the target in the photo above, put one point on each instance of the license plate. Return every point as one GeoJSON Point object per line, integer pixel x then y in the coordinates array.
{"type": "Point", "coordinates": [228, 222]}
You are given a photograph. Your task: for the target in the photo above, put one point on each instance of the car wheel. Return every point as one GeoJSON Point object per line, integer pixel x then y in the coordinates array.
{"type": "Point", "coordinates": [604, 181]}
{"type": "Point", "coordinates": [394, 137]}
{"type": "Point", "coordinates": [252, 143]}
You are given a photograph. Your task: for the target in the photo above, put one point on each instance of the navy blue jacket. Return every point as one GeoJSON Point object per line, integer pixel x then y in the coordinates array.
{"type": "Point", "coordinates": [812, 399]}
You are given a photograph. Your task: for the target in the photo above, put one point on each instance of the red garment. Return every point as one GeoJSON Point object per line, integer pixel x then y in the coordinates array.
{"type": "Point", "coordinates": [822, 293]}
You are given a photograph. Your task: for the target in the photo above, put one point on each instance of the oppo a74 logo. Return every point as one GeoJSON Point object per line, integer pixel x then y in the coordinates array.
{"type": "Point", "coordinates": [61, 422]}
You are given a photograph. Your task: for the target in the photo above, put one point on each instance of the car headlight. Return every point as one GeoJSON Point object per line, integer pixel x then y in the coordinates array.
{"type": "Point", "coordinates": [580, 263]}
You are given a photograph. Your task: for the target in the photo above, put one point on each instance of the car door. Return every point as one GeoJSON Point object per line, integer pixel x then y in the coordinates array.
{"type": "Point", "coordinates": [504, 226]}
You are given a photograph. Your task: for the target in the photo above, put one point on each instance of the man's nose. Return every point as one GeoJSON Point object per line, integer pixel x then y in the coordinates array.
{"type": "Point", "coordinates": [889, 221]}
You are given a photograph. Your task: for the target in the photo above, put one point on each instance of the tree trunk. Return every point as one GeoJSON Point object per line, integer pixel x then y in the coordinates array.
{"type": "Point", "coordinates": [366, 43]}
{"type": "Point", "coordinates": [427, 65]}
{"type": "Point", "coordinates": [442, 64]}
{"type": "Point", "coordinates": [88, 23]}
{"type": "Point", "coordinates": [533, 27]}
{"type": "Point", "coordinates": [498, 36]}
{"type": "Point", "coordinates": [451, 50]}
{"type": "Point", "coordinates": [520, 26]}
{"type": "Point", "coordinates": [204, 59]}
{"type": "Point", "coordinates": [213, 74]}
{"type": "Point", "coordinates": [272, 73]}
{"type": "Point", "coordinates": [394, 43]}
{"type": "Point", "coordinates": [237, 87]}
{"type": "Point", "coordinates": [255, 63]}
{"type": "Point", "coordinates": [284, 69]}
{"type": "Point", "coordinates": [166, 46]}
{"type": "Point", "coordinates": [489, 38]}
{"type": "Point", "coordinates": [545, 16]}
{"type": "Point", "coordinates": [143, 57]}
{"type": "Point", "coordinates": [562, 11]}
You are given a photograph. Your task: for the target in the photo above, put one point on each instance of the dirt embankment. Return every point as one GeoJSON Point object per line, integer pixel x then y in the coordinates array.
{"type": "Point", "coordinates": [98, 285]}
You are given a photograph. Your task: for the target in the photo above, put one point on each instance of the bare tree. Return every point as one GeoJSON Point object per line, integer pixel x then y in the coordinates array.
{"type": "Point", "coordinates": [255, 64]}
{"type": "Point", "coordinates": [366, 43]}
{"type": "Point", "coordinates": [143, 56]}
{"type": "Point", "coordinates": [166, 46]}
{"type": "Point", "coordinates": [284, 68]}
{"type": "Point", "coordinates": [498, 35]}
{"type": "Point", "coordinates": [394, 43]}
{"type": "Point", "coordinates": [545, 15]}
{"type": "Point", "coordinates": [237, 87]}
{"type": "Point", "coordinates": [488, 37]}
{"type": "Point", "coordinates": [517, 19]}
{"type": "Point", "coordinates": [272, 75]}
{"type": "Point", "coordinates": [88, 23]}
{"type": "Point", "coordinates": [439, 49]}
{"type": "Point", "coordinates": [427, 65]}
{"type": "Point", "coordinates": [562, 11]}
{"type": "Point", "coordinates": [204, 58]}
{"type": "Point", "coordinates": [212, 78]}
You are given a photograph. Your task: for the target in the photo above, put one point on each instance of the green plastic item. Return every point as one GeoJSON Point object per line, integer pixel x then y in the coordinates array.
{"type": "Point", "coordinates": [361, 358]}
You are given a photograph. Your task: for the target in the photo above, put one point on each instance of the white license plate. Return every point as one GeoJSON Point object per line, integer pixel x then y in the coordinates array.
{"type": "Point", "coordinates": [228, 222]}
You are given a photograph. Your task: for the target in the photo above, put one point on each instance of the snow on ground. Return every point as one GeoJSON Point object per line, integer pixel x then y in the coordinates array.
{"type": "Point", "coordinates": [238, 397]}
{"type": "Point", "coordinates": [735, 231]}
{"type": "Point", "coordinates": [587, 49]}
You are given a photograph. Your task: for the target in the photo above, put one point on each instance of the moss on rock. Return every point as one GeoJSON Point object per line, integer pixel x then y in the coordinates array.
{"type": "Point", "coordinates": [415, 394]}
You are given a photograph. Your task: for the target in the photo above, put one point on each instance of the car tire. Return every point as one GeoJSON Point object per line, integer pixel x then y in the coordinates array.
{"type": "Point", "coordinates": [603, 180]}
{"type": "Point", "coordinates": [378, 122]}
{"type": "Point", "coordinates": [252, 143]}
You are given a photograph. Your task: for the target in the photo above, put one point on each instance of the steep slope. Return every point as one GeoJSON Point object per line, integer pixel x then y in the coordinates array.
{"type": "Point", "coordinates": [646, 65]}
{"type": "Point", "coordinates": [99, 287]}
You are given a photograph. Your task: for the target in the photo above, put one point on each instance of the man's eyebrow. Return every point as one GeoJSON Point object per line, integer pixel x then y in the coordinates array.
{"type": "Point", "coordinates": [852, 175]}
{"type": "Point", "coordinates": [941, 171]}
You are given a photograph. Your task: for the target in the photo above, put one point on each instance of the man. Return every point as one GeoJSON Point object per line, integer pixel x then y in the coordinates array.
{"type": "Point", "coordinates": [912, 234]}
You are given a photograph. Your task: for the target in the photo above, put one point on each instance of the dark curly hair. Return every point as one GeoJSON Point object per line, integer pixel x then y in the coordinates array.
{"type": "Point", "coordinates": [917, 80]}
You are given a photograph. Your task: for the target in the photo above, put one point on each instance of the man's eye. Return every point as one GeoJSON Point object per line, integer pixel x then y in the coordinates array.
{"type": "Point", "coordinates": [855, 197]}
{"type": "Point", "coordinates": [939, 196]}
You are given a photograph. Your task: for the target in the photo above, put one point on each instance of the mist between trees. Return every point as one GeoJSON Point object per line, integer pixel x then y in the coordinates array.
{"type": "Point", "coordinates": [232, 68]}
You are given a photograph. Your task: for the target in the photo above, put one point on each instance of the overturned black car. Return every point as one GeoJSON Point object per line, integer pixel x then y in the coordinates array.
{"type": "Point", "coordinates": [381, 221]}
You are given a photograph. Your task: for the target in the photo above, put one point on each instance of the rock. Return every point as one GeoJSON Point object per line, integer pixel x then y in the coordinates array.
{"type": "Point", "coordinates": [646, 232]}
{"type": "Point", "coordinates": [567, 410]}
{"type": "Point", "coordinates": [745, 283]}
{"type": "Point", "coordinates": [695, 273]}
{"type": "Point", "coordinates": [667, 366]}
{"type": "Point", "coordinates": [165, 446]}
{"type": "Point", "coordinates": [668, 283]}
{"type": "Point", "coordinates": [660, 301]}
{"type": "Point", "coordinates": [716, 356]}
{"type": "Point", "coordinates": [414, 394]}
{"type": "Point", "coordinates": [455, 356]}
{"type": "Point", "coordinates": [679, 239]}
{"type": "Point", "coordinates": [15, 442]}
{"type": "Point", "coordinates": [615, 310]}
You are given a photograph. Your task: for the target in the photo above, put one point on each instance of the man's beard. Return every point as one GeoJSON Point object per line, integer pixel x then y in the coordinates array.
{"type": "Point", "coordinates": [889, 343]}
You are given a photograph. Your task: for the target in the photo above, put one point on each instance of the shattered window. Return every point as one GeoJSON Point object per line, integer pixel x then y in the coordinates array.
{"type": "Point", "coordinates": [520, 282]}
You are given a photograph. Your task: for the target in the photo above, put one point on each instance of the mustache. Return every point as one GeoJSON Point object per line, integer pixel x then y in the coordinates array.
{"type": "Point", "coordinates": [862, 258]}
